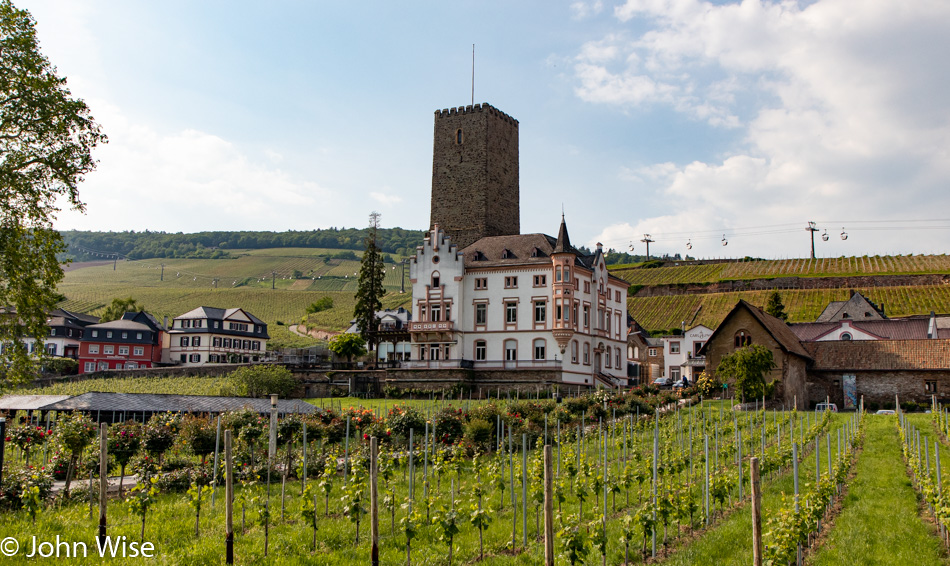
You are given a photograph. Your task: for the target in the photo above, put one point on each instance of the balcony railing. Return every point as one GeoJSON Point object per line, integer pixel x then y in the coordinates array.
{"type": "Point", "coordinates": [437, 326]}
{"type": "Point", "coordinates": [482, 364]}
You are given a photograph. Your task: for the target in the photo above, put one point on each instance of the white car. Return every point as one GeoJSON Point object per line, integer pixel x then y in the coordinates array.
{"type": "Point", "coordinates": [821, 407]}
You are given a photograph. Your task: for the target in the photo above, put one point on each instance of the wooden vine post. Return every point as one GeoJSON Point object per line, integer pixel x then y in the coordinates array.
{"type": "Point", "coordinates": [548, 507]}
{"type": "Point", "coordinates": [756, 513]}
{"type": "Point", "coordinates": [228, 501]}
{"type": "Point", "coordinates": [373, 501]}
{"type": "Point", "coordinates": [103, 480]}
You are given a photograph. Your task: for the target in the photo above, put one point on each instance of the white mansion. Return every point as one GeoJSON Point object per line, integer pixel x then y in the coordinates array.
{"type": "Point", "coordinates": [523, 301]}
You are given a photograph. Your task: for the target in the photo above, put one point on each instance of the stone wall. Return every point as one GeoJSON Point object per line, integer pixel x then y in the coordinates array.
{"type": "Point", "coordinates": [880, 387]}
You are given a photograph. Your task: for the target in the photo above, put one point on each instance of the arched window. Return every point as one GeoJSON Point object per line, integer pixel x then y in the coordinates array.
{"type": "Point", "coordinates": [540, 351]}
{"type": "Point", "coordinates": [742, 338]}
{"type": "Point", "coordinates": [435, 279]}
{"type": "Point", "coordinates": [574, 351]}
{"type": "Point", "coordinates": [458, 136]}
{"type": "Point", "coordinates": [845, 336]}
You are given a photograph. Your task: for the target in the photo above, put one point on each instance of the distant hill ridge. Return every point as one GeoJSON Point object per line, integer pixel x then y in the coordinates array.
{"type": "Point", "coordinates": [89, 246]}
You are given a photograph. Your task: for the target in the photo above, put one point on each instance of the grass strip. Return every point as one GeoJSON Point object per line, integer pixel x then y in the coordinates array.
{"type": "Point", "coordinates": [879, 523]}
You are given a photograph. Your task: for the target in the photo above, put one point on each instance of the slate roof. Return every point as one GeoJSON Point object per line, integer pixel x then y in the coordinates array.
{"type": "Point", "coordinates": [861, 307]}
{"type": "Point", "coordinates": [215, 313]}
{"type": "Point", "coordinates": [137, 402]}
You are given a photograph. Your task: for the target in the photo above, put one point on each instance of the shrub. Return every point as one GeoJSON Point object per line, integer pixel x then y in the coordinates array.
{"type": "Point", "coordinates": [199, 434]}
{"type": "Point", "coordinates": [449, 425]}
{"type": "Point", "coordinates": [15, 483]}
{"type": "Point", "coordinates": [480, 433]}
{"type": "Point", "coordinates": [262, 380]}
{"type": "Point", "coordinates": [401, 420]}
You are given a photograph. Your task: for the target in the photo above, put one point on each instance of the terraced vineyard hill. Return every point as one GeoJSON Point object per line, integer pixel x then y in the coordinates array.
{"type": "Point", "coordinates": [244, 281]}
{"type": "Point", "coordinates": [703, 293]}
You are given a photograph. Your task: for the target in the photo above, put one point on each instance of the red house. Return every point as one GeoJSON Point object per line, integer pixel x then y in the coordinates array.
{"type": "Point", "coordinates": [132, 342]}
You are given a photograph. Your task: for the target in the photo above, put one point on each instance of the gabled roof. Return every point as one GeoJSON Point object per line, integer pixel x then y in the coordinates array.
{"type": "Point", "coordinates": [858, 307]}
{"type": "Point", "coordinates": [886, 355]}
{"type": "Point", "coordinates": [80, 318]}
{"type": "Point", "coordinates": [776, 327]}
{"type": "Point", "coordinates": [214, 313]}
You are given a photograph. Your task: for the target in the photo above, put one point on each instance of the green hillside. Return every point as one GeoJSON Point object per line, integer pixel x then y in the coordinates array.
{"type": "Point", "coordinates": [666, 312]}
{"type": "Point", "coordinates": [771, 269]}
{"type": "Point", "coordinates": [244, 281]}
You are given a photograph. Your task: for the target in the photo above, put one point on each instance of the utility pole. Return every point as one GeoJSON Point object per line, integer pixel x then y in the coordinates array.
{"type": "Point", "coordinates": [812, 228]}
{"type": "Point", "coordinates": [215, 282]}
{"type": "Point", "coordinates": [273, 279]}
{"type": "Point", "coordinates": [115, 260]}
{"type": "Point", "coordinates": [162, 277]}
{"type": "Point", "coordinates": [647, 240]}
{"type": "Point", "coordinates": [402, 278]}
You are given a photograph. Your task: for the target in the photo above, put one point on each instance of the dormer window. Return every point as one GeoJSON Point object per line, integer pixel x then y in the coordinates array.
{"type": "Point", "coordinates": [478, 256]}
{"type": "Point", "coordinates": [506, 254]}
{"type": "Point", "coordinates": [845, 315]}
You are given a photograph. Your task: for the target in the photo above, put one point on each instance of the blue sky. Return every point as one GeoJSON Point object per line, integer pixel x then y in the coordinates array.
{"type": "Point", "coordinates": [689, 120]}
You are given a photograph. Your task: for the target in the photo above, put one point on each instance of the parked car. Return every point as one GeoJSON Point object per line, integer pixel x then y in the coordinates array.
{"type": "Point", "coordinates": [821, 407]}
{"type": "Point", "coordinates": [885, 412]}
{"type": "Point", "coordinates": [662, 382]}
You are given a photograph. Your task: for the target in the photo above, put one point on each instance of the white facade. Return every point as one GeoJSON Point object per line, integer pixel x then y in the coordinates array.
{"type": "Point", "coordinates": [681, 353]}
{"type": "Point", "coordinates": [518, 302]}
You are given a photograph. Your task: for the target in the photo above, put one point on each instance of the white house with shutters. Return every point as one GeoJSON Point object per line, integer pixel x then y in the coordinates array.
{"type": "Point", "coordinates": [213, 335]}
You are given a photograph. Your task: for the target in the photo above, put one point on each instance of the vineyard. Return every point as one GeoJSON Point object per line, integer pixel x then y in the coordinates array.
{"type": "Point", "coordinates": [456, 485]}
{"type": "Point", "coordinates": [671, 311]}
{"type": "Point", "coordinates": [771, 269]}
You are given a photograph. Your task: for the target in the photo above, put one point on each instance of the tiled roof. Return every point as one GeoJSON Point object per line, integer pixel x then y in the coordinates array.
{"type": "Point", "coordinates": [215, 313]}
{"type": "Point", "coordinates": [836, 355]}
{"type": "Point", "coordinates": [519, 249]}
{"type": "Point", "coordinates": [885, 329]}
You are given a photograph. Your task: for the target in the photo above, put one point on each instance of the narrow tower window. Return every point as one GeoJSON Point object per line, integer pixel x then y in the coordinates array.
{"type": "Point", "coordinates": [458, 136]}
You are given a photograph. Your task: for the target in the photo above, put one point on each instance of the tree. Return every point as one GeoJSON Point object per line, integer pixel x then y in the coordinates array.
{"type": "Point", "coordinates": [747, 368]}
{"type": "Point", "coordinates": [372, 272]}
{"type": "Point", "coordinates": [119, 307]}
{"type": "Point", "coordinates": [348, 345]}
{"type": "Point", "coordinates": [775, 307]}
{"type": "Point", "coordinates": [46, 143]}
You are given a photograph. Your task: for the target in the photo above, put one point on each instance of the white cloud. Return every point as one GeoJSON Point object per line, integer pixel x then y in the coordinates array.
{"type": "Point", "coordinates": [584, 10]}
{"type": "Point", "coordinates": [842, 109]}
{"type": "Point", "coordinates": [385, 199]}
{"type": "Point", "coordinates": [189, 181]}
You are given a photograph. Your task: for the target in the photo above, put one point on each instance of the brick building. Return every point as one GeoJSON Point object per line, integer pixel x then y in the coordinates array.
{"type": "Point", "coordinates": [134, 341]}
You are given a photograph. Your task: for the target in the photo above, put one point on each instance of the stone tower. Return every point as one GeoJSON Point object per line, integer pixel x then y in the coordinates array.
{"type": "Point", "coordinates": [475, 174]}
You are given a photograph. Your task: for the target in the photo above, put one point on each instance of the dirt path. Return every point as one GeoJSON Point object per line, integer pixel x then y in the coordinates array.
{"type": "Point", "coordinates": [301, 330]}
